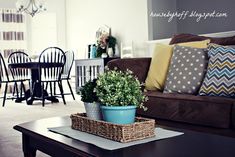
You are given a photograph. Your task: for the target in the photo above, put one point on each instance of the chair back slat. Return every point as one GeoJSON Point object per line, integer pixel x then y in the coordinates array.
{"type": "Point", "coordinates": [56, 58]}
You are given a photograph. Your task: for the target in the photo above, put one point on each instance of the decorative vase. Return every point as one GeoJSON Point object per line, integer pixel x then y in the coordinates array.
{"type": "Point", "coordinates": [119, 114]}
{"type": "Point", "coordinates": [104, 55]}
{"type": "Point", "coordinates": [93, 110]}
{"type": "Point", "coordinates": [93, 51]}
{"type": "Point", "coordinates": [110, 52]}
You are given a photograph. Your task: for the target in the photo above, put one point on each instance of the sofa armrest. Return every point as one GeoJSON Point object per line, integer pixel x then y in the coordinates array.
{"type": "Point", "coordinates": [139, 66]}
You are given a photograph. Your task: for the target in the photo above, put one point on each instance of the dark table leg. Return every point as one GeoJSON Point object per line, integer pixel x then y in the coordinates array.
{"type": "Point", "coordinates": [35, 92]}
{"type": "Point", "coordinates": [25, 97]}
{"type": "Point", "coordinates": [29, 154]}
{"type": "Point", "coordinates": [53, 99]}
{"type": "Point", "coordinates": [28, 150]}
{"type": "Point", "coordinates": [30, 100]}
{"type": "Point", "coordinates": [35, 88]}
{"type": "Point", "coordinates": [19, 100]}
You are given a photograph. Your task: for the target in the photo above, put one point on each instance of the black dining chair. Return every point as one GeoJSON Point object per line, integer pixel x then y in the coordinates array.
{"type": "Point", "coordinates": [51, 64]}
{"type": "Point", "coordinates": [5, 78]}
{"type": "Point", "coordinates": [19, 74]}
{"type": "Point", "coordinates": [65, 76]}
{"type": "Point", "coordinates": [67, 70]}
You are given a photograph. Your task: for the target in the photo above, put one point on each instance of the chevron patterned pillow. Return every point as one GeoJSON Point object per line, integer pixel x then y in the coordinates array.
{"type": "Point", "coordinates": [220, 76]}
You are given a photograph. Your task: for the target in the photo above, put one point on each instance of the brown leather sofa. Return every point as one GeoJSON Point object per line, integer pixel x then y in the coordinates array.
{"type": "Point", "coordinates": [192, 109]}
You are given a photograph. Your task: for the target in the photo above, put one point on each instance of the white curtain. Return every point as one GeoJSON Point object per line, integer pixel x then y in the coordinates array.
{"type": "Point", "coordinates": [12, 31]}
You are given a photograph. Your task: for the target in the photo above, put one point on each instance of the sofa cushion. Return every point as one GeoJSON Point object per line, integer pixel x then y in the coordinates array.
{"type": "Point", "coordinates": [158, 67]}
{"type": "Point", "coordinates": [160, 62]}
{"type": "Point", "coordinates": [139, 66]}
{"type": "Point", "coordinates": [220, 76]}
{"type": "Point", "coordinates": [187, 69]}
{"type": "Point", "coordinates": [209, 111]}
{"type": "Point", "coordinates": [180, 38]}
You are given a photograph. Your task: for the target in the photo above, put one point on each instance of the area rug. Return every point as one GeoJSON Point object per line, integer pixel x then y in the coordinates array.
{"type": "Point", "coordinates": [109, 144]}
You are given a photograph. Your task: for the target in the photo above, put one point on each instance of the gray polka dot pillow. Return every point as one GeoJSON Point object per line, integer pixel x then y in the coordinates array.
{"type": "Point", "coordinates": [187, 70]}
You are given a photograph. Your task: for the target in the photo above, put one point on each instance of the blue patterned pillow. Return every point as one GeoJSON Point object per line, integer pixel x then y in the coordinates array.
{"type": "Point", "coordinates": [220, 76]}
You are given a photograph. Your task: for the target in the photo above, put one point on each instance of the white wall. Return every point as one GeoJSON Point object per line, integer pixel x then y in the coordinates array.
{"type": "Point", "coordinates": [151, 43]}
{"type": "Point", "coordinates": [78, 20]}
{"type": "Point", "coordinates": [7, 3]}
{"type": "Point", "coordinates": [127, 19]}
{"type": "Point", "coordinates": [56, 7]}
{"type": "Point", "coordinates": [43, 24]}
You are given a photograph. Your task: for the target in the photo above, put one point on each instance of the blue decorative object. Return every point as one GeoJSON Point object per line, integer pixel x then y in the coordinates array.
{"type": "Point", "coordinates": [93, 51]}
{"type": "Point", "coordinates": [119, 114]}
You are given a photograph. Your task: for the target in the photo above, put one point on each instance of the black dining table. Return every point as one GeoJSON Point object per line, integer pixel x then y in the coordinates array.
{"type": "Point", "coordinates": [33, 93]}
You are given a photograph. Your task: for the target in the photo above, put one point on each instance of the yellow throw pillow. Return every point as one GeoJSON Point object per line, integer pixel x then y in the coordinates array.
{"type": "Point", "coordinates": [196, 44]}
{"type": "Point", "coordinates": [160, 62]}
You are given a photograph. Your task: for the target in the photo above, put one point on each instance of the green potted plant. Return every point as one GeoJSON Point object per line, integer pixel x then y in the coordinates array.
{"type": "Point", "coordinates": [88, 96]}
{"type": "Point", "coordinates": [119, 94]}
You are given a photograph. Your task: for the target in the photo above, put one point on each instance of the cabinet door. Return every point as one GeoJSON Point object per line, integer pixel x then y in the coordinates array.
{"type": "Point", "coordinates": [86, 70]}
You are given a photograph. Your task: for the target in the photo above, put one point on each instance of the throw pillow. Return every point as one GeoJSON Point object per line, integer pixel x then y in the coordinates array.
{"type": "Point", "coordinates": [220, 76]}
{"type": "Point", "coordinates": [187, 69]}
{"type": "Point", "coordinates": [180, 38]}
{"type": "Point", "coordinates": [160, 62]}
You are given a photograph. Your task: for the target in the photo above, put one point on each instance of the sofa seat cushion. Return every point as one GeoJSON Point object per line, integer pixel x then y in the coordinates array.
{"type": "Point", "coordinates": [202, 110]}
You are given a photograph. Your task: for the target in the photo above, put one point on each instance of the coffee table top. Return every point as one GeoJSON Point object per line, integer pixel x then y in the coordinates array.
{"type": "Point", "coordinates": [191, 144]}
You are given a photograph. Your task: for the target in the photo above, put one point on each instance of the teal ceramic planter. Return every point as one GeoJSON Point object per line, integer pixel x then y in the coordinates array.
{"type": "Point", "coordinates": [119, 114]}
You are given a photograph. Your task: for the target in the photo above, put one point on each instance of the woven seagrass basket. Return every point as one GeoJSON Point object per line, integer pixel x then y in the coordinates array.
{"type": "Point", "coordinates": [142, 128]}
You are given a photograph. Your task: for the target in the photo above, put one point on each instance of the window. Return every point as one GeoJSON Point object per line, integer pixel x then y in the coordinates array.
{"type": "Point", "coordinates": [12, 31]}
